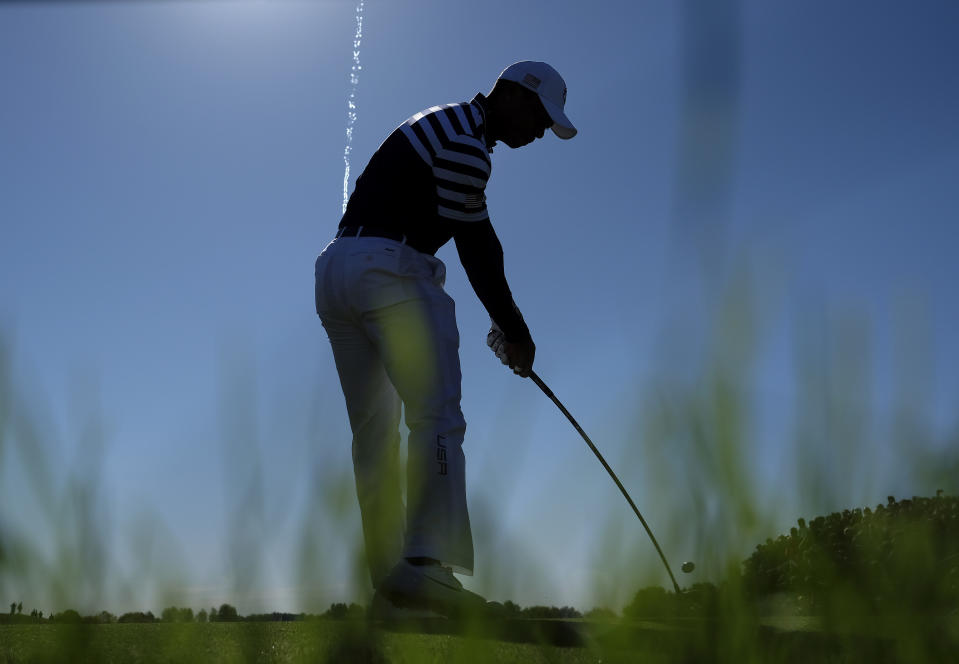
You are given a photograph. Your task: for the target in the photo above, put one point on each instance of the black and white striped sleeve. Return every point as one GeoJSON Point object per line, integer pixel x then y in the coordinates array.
{"type": "Point", "coordinates": [445, 137]}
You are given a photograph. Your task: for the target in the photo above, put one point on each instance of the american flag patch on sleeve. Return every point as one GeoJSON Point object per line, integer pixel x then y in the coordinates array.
{"type": "Point", "coordinates": [474, 201]}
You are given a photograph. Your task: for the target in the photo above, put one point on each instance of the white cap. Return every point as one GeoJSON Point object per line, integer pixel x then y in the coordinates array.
{"type": "Point", "coordinates": [551, 88]}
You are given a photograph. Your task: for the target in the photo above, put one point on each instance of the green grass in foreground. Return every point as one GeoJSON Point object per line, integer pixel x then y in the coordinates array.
{"type": "Point", "coordinates": [677, 640]}
{"type": "Point", "coordinates": [260, 642]}
{"type": "Point", "coordinates": [854, 592]}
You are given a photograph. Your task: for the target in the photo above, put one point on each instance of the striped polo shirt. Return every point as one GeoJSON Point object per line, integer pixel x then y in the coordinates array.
{"type": "Point", "coordinates": [429, 174]}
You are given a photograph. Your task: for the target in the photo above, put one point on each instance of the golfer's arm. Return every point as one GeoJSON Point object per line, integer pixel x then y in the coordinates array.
{"type": "Point", "coordinates": [481, 253]}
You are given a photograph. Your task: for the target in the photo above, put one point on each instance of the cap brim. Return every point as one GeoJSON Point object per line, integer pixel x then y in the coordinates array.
{"type": "Point", "coordinates": [564, 132]}
{"type": "Point", "coordinates": [562, 127]}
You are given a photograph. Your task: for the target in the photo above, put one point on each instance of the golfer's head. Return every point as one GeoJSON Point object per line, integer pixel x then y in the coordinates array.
{"type": "Point", "coordinates": [547, 96]}
{"type": "Point", "coordinates": [519, 115]}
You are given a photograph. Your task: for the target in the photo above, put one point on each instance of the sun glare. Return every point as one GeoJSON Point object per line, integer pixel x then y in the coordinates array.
{"type": "Point", "coordinates": [239, 18]}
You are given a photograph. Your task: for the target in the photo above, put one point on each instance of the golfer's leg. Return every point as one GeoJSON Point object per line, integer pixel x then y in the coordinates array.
{"type": "Point", "coordinates": [374, 411]}
{"type": "Point", "coordinates": [421, 355]}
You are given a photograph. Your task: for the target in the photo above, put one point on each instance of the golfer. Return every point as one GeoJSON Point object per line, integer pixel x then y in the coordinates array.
{"type": "Point", "coordinates": [392, 327]}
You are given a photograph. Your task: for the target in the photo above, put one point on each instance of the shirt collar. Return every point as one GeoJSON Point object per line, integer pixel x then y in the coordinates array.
{"type": "Point", "coordinates": [480, 102]}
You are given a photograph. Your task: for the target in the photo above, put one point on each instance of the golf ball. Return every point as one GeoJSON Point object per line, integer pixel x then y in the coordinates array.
{"type": "Point", "coordinates": [688, 567]}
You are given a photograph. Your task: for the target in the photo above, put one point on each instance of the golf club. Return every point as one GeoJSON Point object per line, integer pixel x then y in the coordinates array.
{"type": "Point", "coordinates": [548, 392]}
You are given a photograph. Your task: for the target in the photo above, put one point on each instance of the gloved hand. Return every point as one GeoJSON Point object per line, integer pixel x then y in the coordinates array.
{"type": "Point", "coordinates": [497, 342]}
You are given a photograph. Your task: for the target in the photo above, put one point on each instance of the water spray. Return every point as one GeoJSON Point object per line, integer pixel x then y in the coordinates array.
{"type": "Point", "coordinates": [351, 101]}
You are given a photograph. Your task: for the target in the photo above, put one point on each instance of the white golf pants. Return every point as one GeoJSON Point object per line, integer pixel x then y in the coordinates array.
{"type": "Point", "coordinates": [393, 331]}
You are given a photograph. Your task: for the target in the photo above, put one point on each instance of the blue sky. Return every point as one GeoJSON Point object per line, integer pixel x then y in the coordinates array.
{"type": "Point", "coordinates": [169, 171]}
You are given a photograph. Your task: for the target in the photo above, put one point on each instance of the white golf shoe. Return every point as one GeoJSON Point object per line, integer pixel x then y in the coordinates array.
{"type": "Point", "coordinates": [383, 610]}
{"type": "Point", "coordinates": [433, 588]}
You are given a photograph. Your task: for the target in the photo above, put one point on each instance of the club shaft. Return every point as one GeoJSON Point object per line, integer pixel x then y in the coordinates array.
{"type": "Point", "coordinates": [548, 392]}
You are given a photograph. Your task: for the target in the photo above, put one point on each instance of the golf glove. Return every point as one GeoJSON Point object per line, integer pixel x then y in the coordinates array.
{"type": "Point", "coordinates": [497, 342]}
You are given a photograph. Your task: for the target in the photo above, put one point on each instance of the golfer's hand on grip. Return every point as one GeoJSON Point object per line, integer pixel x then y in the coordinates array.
{"type": "Point", "coordinates": [521, 357]}
{"type": "Point", "coordinates": [518, 356]}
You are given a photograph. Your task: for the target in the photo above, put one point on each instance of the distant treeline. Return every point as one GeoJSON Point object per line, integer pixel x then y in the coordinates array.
{"type": "Point", "coordinates": [228, 613]}
{"type": "Point", "coordinates": [173, 614]}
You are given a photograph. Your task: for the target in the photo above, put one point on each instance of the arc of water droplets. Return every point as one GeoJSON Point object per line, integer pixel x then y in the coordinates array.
{"type": "Point", "coordinates": [351, 102]}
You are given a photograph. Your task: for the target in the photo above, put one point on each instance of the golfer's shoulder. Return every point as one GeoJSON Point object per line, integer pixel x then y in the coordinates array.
{"type": "Point", "coordinates": [460, 121]}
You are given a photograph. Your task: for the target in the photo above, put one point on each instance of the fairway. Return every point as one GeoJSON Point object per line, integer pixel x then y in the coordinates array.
{"type": "Point", "coordinates": [321, 641]}
{"type": "Point", "coordinates": [780, 640]}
